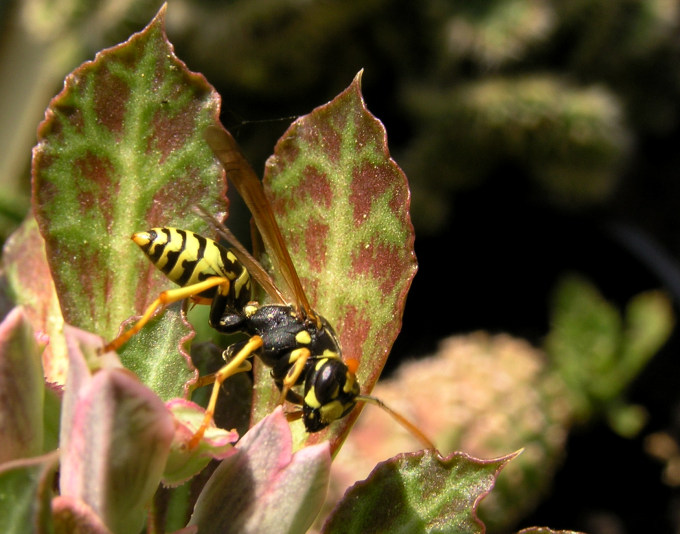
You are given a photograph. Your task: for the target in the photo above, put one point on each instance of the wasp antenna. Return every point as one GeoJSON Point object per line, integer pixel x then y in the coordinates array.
{"type": "Point", "coordinates": [408, 425]}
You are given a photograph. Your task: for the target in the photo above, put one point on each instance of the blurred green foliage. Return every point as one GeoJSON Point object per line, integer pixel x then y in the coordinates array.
{"type": "Point", "coordinates": [598, 351]}
{"type": "Point", "coordinates": [561, 90]}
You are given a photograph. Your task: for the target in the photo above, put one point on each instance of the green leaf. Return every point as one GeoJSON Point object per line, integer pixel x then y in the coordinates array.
{"type": "Point", "coordinates": [21, 384]}
{"type": "Point", "coordinates": [584, 339]}
{"type": "Point", "coordinates": [121, 150]}
{"type": "Point", "coordinates": [343, 207]}
{"type": "Point", "coordinates": [649, 323]}
{"type": "Point", "coordinates": [26, 487]}
{"type": "Point", "coordinates": [598, 350]}
{"type": "Point", "coordinates": [418, 492]}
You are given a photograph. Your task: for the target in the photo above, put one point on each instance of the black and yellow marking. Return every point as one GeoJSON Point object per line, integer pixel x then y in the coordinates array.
{"type": "Point", "coordinates": [299, 345]}
{"type": "Point", "coordinates": [188, 258]}
{"type": "Point", "coordinates": [207, 272]}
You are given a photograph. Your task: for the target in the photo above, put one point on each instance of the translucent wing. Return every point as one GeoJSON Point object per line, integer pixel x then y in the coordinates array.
{"type": "Point", "coordinates": [249, 262]}
{"type": "Point", "coordinates": [250, 188]}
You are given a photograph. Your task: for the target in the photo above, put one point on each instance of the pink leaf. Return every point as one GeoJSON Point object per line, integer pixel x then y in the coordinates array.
{"type": "Point", "coordinates": [116, 436]}
{"type": "Point", "coordinates": [265, 488]}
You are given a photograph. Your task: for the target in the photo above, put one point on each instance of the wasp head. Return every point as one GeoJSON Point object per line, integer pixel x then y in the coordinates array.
{"type": "Point", "coordinates": [330, 393]}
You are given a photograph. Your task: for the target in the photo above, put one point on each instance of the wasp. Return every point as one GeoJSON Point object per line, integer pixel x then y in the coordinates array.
{"type": "Point", "coordinates": [299, 345]}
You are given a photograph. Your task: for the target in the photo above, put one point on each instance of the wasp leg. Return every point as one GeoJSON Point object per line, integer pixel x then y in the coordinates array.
{"type": "Point", "coordinates": [293, 416]}
{"type": "Point", "coordinates": [229, 354]}
{"type": "Point", "coordinates": [236, 365]}
{"type": "Point", "coordinates": [164, 299]}
{"type": "Point", "coordinates": [298, 358]}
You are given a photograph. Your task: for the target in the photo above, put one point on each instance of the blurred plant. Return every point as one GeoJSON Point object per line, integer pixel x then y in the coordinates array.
{"type": "Point", "coordinates": [598, 351]}
{"type": "Point", "coordinates": [485, 394]}
{"type": "Point", "coordinates": [549, 64]}
{"type": "Point", "coordinates": [571, 140]}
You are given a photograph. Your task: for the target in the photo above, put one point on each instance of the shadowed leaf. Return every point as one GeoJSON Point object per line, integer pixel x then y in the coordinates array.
{"type": "Point", "coordinates": [73, 516]}
{"type": "Point", "coordinates": [26, 487]}
{"type": "Point", "coordinates": [21, 389]}
{"type": "Point", "coordinates": [265, 487]}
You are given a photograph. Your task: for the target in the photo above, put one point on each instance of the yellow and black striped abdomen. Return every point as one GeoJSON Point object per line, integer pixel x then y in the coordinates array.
{"type": "Point", "coordinates": [187, 258]}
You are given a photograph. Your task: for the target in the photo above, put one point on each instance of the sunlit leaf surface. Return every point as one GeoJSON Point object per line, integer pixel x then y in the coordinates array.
{"type": "Point", "coordinates": [342, 203]}
{"type": "Point", "coordinates": [121, 150]}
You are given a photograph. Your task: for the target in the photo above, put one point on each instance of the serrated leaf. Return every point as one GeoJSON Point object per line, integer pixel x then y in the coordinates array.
{"type": "Point", "coordinates": [121, 150]}
{"type": "Point", "coordinates": [26, 487]}
{"type": "Point", "coordinates": [343, 207]}
{"type": "Point", "coordinates": [21, 389]}
{"type": "Point", "coordinates": [418, 492]}
{"type": "Point", "coordinates": [265, 487]}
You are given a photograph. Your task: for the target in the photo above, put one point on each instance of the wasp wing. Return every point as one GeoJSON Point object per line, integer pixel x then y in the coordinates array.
{"type": "Point", "coordinates": [250, 188]}
{"type": "Point", "coordinates": [249, 262]}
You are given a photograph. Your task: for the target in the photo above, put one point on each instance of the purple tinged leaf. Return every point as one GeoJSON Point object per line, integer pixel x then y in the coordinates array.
{"type": "Point", "coordinates": [343, 206]}
{"type": "Point", "coordinates": [265, 487]}
{"type": "Point", "coordinates": [115, 439]}
{"type": "Point", "coordinates": [418, 492]}
{"type": "Point", "coordinates": [73, 516]}
{"type": "Point", "coordinates": [28, 274]}
{"type": "Point", "coordinates": [121, 149]}
{"type": "Point", "coordinates": [183, 463]}
{"type": "Point", "coordinates": [26, 488]}
{"type": "Point", "coordinates": [21, 389]}
{"type": "Point", "coordinates": [78, 381]}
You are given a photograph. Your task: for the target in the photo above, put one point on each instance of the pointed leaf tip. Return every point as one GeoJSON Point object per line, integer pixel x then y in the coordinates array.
{"type": "Point", "coordinates": [343, 206]}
